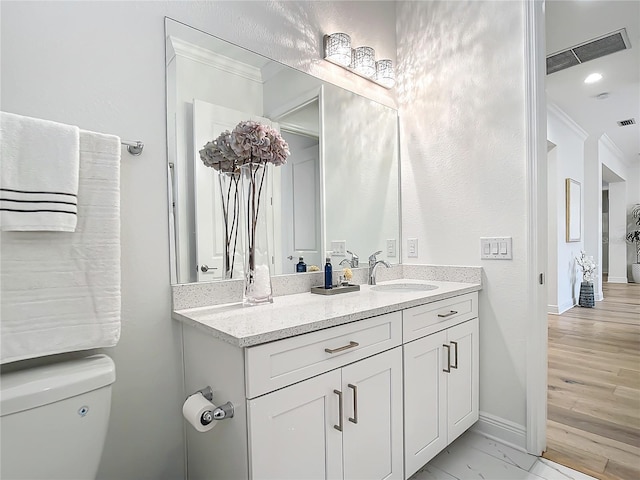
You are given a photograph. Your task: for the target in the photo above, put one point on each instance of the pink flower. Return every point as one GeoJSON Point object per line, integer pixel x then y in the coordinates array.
{"type": "Point", "coordinates": [219, 155]}
{"type": "Point", "coordinates": [253, 142]}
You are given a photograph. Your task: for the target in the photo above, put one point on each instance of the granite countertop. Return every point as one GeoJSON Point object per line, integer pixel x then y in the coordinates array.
{"type": "Point", "coordinates": [292, 315]}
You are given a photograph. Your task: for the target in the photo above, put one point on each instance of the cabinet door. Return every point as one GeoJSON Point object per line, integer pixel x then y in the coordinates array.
{"type": "Point", "coordinates": [463, 380]}
{"type": "Point", "coordinates": [292, 434]}
{"type": "Point", "coordinates": [425, 400]}
{"type": "Point", "coordinates": [372, 437]}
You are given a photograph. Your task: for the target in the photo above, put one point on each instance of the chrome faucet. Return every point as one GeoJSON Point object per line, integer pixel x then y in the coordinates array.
{"type": "Point", "coordinates": [373, 266]}
{"type": "Point", "coordinates": [354, 262]}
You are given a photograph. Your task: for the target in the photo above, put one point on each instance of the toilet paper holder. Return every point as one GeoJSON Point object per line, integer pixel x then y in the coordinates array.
{"type": "Point", "coordinates": [218, 413]}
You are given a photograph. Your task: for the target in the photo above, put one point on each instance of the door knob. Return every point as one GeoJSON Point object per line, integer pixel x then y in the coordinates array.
{"type": "Point", "coordinates": [206, 268]}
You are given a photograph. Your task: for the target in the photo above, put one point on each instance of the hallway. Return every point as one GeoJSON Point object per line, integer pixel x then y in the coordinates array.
{"type": "Point", "coordinates": [594, 386]}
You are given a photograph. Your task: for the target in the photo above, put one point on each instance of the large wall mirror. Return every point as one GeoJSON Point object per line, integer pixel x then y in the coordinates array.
{"type": "Point", "coordinates": [340, 183]}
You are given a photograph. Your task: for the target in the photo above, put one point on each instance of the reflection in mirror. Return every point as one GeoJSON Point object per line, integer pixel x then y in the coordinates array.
{"type": "Point", "coordinates": [339, 184]}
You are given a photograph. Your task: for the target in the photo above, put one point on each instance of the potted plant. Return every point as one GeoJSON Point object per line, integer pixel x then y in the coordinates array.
{"type": "Point", "coordinates": [588, 267]}
{"type": "Point", "coordinates": [634, 237]}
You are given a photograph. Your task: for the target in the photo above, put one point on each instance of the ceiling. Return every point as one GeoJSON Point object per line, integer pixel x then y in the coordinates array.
{"type": "Point", "coordinates": [572, 22]}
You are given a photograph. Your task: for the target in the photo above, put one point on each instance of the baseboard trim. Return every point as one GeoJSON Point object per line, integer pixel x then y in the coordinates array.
{"type": "Point", "coordinates": [501, 430]}
{"type": "Point", "coordinates": [618, 280]}
{"type": "Point", "coordinates": [560, 309]}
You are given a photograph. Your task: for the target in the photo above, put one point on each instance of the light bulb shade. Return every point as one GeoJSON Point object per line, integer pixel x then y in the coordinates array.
{"type": "Point", "coordinates": [337, 48]}
{"type": "Point", "coordinates": [363, 61]}
{"type": "Point", "coordinates": [385, 75]}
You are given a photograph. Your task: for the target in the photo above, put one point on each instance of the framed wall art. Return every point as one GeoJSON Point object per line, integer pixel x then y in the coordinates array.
{"type": "Point", "coordinates": [574, 210]}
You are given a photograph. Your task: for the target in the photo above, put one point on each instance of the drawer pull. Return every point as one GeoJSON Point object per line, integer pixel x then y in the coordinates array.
{"type": "Point", "coordinates": [339, 426]}
{"type": "Point", "coordinates": [342, 349]}
{"type": "Point", "coordinates": [445, 315]}
{"type": "Point", "coordinates": [455, 355]}
{"type": "Point", "coordinates": [355, 404]}
{"type": "Point", "coordinates": [448, 369]}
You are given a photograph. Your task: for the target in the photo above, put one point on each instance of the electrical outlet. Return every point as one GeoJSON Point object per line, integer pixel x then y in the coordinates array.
{"type": "Point", "coordinates": [391, 248]}
{"type": "Point", "coordinates": [339, 248]}
{"type": "Point", "coordinates": [412, 247]}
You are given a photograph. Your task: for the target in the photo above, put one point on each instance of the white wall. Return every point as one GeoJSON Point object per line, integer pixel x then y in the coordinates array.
{"type": "Point", "coordinates": [462, 99]}
{"type": "Point", "coordinates": [100, 65]}
{"type": "Point", "coordinates": [569, 139]}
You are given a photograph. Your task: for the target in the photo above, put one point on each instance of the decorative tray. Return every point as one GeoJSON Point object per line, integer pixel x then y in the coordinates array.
{"type": "Point", "coordinates": [337, 289]}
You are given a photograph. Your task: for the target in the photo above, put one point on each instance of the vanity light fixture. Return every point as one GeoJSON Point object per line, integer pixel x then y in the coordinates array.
{"type": "Point", "coordinates": [363, 61]}
{"type": "Point", "coordinates": [385, 75]}
{"type": "Point", "coordinates": [337, 48]}
{"type": "Point", "coordinates": [360, 60]}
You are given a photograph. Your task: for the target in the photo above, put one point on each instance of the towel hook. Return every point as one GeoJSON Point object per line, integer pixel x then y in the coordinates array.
{"type": "Point", "coordinates": [134, 148]}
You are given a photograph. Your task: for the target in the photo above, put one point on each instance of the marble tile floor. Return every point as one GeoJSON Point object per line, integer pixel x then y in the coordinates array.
{"type": "Point", "coordinates": [474, 456]}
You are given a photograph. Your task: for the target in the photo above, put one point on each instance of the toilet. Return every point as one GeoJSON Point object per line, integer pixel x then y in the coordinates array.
{"type": "Point", "coordinates": [54, 418]}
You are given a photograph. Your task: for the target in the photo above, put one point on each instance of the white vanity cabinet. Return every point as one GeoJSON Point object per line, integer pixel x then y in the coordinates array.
{"type": "Point", "coordinates": [370, 399]}
{"type": "Point", "coordinates": [323, 405]}
{"type": "Point", "coordinates": [440, 377]}
{"type": "Point", "coordinates": [346, 423]}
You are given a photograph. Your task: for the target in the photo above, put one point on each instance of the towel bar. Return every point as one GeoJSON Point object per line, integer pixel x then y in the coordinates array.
{"type": "Point", "coordinates": [134, 148]}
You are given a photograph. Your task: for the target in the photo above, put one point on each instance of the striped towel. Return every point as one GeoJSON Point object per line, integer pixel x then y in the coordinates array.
{"type": "Point", "coordinates": [61, 291]}
{"type": "Point", "coordinates": [39, 181]}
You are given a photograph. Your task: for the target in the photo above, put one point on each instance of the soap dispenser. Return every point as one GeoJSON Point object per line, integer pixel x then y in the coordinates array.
{"type": "Point", "coordinates": [328, 273]}
{"type": "Point", "coordinates": [301, 266]}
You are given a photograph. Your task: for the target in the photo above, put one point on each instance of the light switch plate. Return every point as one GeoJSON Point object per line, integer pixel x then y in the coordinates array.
{"type": "Point", "coordinates": [339, 248]}
{"type": "Point", "coordinates": [391, 248]}
{"type": "Point", "coordinates": [496, 248]}
{"type": "Point", "coordinates": [412, 247]}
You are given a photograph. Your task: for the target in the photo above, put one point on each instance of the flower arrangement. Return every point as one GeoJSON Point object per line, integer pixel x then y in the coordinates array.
{"type": "Point", "coordinates": [587, 265]}
{"type": "Point", "coordinates": [634, 235]}
{"type": "Point", "coordinates": [248, 148]}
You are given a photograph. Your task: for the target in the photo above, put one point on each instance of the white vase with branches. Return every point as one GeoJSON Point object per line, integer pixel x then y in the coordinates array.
{"type": "Point", "coordinates": [633, 237]}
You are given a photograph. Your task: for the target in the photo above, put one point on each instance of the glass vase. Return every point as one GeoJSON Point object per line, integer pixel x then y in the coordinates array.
{"type": "Point", "coordinates": [232, 260]}
{"type": "Point", "coordinates": [257, 261]}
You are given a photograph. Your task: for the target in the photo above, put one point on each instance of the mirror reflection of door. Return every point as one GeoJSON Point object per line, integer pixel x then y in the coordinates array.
{"type": "Point", "coordinates": [209, 121]}
{"type": "Point", "coordinates": [300, 206]}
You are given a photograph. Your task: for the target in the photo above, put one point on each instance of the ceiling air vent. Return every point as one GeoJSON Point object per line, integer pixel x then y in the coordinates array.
{"type": "Point", "coordinates": [596, 48]}
{"type": "Point", "coordinates": [624, 123]}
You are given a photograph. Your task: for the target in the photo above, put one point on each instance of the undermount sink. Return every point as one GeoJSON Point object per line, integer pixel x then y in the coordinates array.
{"type": "Point", "coordinates": [404, 287]}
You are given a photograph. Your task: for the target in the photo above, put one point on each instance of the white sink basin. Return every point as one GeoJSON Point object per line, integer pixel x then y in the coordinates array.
{"type": "Point", "coordinates": [404, 287]}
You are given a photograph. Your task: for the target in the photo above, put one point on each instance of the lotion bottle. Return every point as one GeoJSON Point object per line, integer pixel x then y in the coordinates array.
{"type": "Point", "coordinates": [301, 266]}
{"type": "Point", "coordinates": [328, 273]}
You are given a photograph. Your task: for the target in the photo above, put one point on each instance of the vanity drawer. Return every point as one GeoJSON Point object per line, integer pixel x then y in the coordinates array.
{"type": "Point", "coordinates": [278, 364]}
{"type": "Point", "coordinates": [426, 319]}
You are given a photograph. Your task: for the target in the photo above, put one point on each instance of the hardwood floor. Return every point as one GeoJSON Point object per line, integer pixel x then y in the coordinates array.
{"type": "Point", "coordinates": [593, 419]}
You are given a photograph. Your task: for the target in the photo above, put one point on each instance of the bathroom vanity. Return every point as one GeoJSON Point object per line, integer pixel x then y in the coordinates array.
{"type": "Point", "coordinates": [370, 384]}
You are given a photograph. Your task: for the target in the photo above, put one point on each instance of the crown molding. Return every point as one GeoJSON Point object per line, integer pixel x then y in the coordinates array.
{"type": "Point", "coordinates": [215, 60]}
{"type": "Point", "coordinates": [566, 119]}
{"type": "Point", "coordinates": [607, 142]}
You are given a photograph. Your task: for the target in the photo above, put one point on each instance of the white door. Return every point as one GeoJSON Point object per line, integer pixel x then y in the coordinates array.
{"type": "Point", "coordinates": [462, 411]}
{"type": "Point", "coordinates": [372, 417]}
{"type": "Point", "coordinates": [300, 209]}
{"type": "Point", "coordinates": [425, 400]}
{"type": "Point", "coordinates": [292, 434]}
{"type": "Point", "coordinates": [209, 121]}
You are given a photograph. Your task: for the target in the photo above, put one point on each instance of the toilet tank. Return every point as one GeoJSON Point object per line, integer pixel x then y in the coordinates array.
{"type": "Point", "coordinates": [54, 418]}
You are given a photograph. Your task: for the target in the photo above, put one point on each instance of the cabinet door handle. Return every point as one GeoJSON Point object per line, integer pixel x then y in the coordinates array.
{"type": "Point", "coordinates": [445, 315]}
{"type": "Point", "coordinates": [455, 355]}
{"type": "Point", "coordinates": [355, 404]}
{"type": "Point", "coordinates": [339, 426]}
{"type": "Point", "coordinates": [342, 349]}
{"type": "Point", "coordinates": [448, 369]}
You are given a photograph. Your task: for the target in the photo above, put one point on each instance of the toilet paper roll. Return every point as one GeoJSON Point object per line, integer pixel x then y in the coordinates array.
{"type": "Point", "coordinates": [193, 409]}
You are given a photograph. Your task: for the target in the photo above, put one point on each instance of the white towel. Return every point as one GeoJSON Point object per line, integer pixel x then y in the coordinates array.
{"type": "Point", "coordinates": [61, 291]}
{"type": "Point", "coordinates": [39, 184]}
